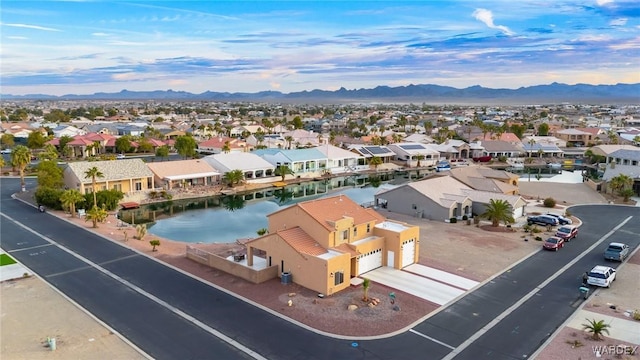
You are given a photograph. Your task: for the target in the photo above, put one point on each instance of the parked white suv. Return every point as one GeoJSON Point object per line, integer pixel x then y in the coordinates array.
{"type": "Point", "coordinates": [601, 276]}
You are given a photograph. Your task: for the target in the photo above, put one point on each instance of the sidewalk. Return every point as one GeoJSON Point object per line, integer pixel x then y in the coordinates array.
{"type": "Point", "coordinates": [13, 271]}
{"type": "Point", "coordinates": [621, 329]}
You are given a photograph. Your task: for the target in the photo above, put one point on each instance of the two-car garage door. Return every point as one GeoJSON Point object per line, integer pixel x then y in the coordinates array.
{"type": "Point", "coordinates": [369, 261]}
{"type": "Point", "coordinates": [373, 260]}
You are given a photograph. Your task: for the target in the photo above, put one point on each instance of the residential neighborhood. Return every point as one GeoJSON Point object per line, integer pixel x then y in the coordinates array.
{"type": "Point", "coordinates": [438, 164]}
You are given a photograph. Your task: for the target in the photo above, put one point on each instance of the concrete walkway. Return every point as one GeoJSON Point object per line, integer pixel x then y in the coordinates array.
{"type": "Point", "coordinates": [13, 271]}
{"type": "Point", "coordinates": [621, 329]}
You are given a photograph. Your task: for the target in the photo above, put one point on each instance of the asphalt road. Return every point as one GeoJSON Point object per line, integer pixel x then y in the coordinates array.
{"type": "Point", "coordinates": [171, 315]}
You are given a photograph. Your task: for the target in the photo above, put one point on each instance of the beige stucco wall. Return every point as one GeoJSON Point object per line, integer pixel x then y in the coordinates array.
{"type": "Point", "coordinates": [393, 241]}
{"type": "Point", "coordinates": [292, 217]}
{"type": "Point", "coordinates": [309, 271]}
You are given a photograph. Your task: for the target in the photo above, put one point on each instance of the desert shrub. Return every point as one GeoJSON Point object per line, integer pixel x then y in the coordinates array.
{"type": "Point", "coordinates": [49, 197]}
{"type": "Point", "coordinates": [453, 220]}
{"type": "Point", "coordinates": [502, 158]}
{"type": "Point", "coordinates": [538, 238]}
{"type": "Point", "coordinates": [549, 202]}
{"type": "Point", "coordinates": [636, 315]}
{"type": "Point", "coordinates": [107, 198]}
{"type": "Point", "coordinates": [141, 231]}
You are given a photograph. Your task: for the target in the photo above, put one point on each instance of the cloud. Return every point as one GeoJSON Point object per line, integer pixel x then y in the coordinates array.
{"type": "Point", "coordinates": [35, 27]}
{"type": "Point", "coordinates": [618, 22]}
{"type": "Point", "coordinates": [603, 2]}
{"type": "Point", "coordinates": [486, 17]}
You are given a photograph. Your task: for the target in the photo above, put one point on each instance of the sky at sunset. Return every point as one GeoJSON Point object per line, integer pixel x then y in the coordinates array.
{"type": "Point", "coordinates": [82, 47]}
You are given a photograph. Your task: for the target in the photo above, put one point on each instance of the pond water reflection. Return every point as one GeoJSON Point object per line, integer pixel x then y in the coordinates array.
{"type": "Point", "coordinates": [228, 218]}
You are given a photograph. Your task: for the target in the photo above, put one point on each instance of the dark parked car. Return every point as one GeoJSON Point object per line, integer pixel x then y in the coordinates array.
{"type": "Point", "coordinates": [616, 251]}
{"type": "Point", "coordinates": [553, 243]}
{"type": "Point", "coordinates": [567, 232]}
{"type": "Point", "coordinates": [561, 219]}
{"type": "Point", "coordinates": [544, 220]}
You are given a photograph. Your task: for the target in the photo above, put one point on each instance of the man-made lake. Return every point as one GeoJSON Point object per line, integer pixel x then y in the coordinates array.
{"type": "Point", "coordinates": [224, 219]}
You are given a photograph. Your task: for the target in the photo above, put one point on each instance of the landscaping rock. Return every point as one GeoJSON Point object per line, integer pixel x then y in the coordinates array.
{"type": "Point", "coordinates": [352, 307]}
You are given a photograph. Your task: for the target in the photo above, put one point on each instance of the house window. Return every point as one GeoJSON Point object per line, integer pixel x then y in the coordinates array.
{"type": "Point", "coordinates": [138, 185]}
{"type": "Point", "coordinates": [345, 235]}
{"type": "Point", "coordinates": [414, 206]}
{"type": "Point", "coordinates": [368, 228]}
{"type": "Point", "coordinates": [338, 278]}
{"type": "Point", "coordinates": [355, 231]}
{"type": "Point", "coordinates": [117, 187]}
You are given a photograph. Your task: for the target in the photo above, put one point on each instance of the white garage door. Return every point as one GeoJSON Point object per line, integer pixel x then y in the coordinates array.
{"type": "Point", "coordinates": [518, 212]}
{"type": "Point", "coordinates": [408, 252]}
{"type": "Point", "coordinates": [369, 261]}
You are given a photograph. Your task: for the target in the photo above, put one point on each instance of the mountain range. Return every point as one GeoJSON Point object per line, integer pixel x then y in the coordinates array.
{"type": "Point", "coordinates": [551, 93]}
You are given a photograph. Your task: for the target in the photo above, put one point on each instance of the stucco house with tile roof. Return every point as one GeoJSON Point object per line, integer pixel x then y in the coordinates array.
{"type": "Point", "coordinates": [497, 148]}
{"type": "Point", "coordinates": [340, 160]}
{"type": "Point", "coordinates": [216, 144]}
{"type": "Point", "coordinates": [486, 179]}
{"type": "Point", "coordinates": [442, 198]}
{"type": "Point", "coordinates": [128, 175]}
{"type": "Point", "coordinates": [369, 151]}
{"type": "Point", "coordinates": [303, 162]}
{"type": "Point", "coordinates": [576, 137]}
{"type": "Point", "coordinates": [436, 198]}
{"type": "Point", "coordinates": [410, 153]}
{"type": "Point", "coordinates": [323, 243]}
{"type": "Point", "coordinates": [252, 165]}
{"type": "Point", "coordinates": [180, 173]}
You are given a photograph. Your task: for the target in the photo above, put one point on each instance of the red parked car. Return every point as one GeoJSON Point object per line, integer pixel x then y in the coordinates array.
{"type": "Point", "coordinates": [553, 243]}
{"type": "Point", "coordinates": [486, 158]}
{"type": "Point", "coordinates": [567, 232]}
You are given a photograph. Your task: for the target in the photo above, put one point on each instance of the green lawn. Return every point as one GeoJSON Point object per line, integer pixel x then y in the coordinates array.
{"type": "Point", "coordinates": [6, 260]}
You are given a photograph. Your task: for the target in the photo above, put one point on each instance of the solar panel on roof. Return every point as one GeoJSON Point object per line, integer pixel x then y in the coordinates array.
{"type": "Point", "coordinates": [376, 150]}
{"type": "Point", "coordinates": [412, 147]}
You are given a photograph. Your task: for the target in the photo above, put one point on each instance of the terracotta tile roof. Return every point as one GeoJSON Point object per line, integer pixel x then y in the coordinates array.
{"type": "Point", "coordinates": [346, 248]}
{"type": "Point", "coordinates": [301, 241]}
{"type": "Point", "coordinates": [218, 142]}
{"type": "Point", "coordinates": [334, 208]}
{"type": "Point", "coordinates": [80, 141]}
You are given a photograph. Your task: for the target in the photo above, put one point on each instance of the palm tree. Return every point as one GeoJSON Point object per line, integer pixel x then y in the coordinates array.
{"type": "Point", "coordinates": [283, 171]}
{"type": "Point", "coordinates": [497, 211]}
{"type": "Point", "coordinates": [596, 328]}
{"type": "Point", "coordinates": [375, 161]}
{"type": "Point", "coordinates": [419, 158]}
{"type": "Point", "coordinates": [233, 177]}
{"type": "Point", "coordinates": [622, 184]}
{"type": "Point", "coordinates": [226, 148]}
{"type": "Point", "coordinates": [20, 158]}
{"type": "Point", "coordinates": [96, 215]}
{"type": "Point", "coordinates": [366, 284]}
{"type": "Point", "coordinates": [94, 173]}
{"type": "Point", "coordinates": [289, 140]}
{"type": "Point", "coordinates": [70, 198]}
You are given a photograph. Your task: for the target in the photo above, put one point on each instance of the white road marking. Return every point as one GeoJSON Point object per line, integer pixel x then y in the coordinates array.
{"type": "Point", "coordinates": [432, 339]}
{"type": "Point", "coordinates": [513, 307]}
{"type": "Point", "coordinates": [159, 301]}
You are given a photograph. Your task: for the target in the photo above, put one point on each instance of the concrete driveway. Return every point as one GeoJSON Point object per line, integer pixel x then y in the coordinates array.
{"type": "Point", "coordinates": [431, 284]}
